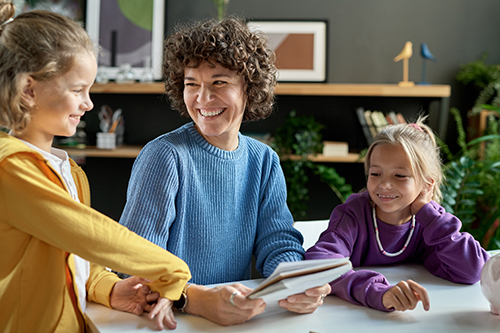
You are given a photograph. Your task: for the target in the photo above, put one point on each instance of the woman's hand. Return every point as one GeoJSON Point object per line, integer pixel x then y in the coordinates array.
{"type": "Point", "coordinates": [307, 302]}
{"type": "Point", "coordinates": [405, 296]}
{"type": "Point", "coordinates": [132, 295]}
{"type": "Point", "coordinates": [215, 304]}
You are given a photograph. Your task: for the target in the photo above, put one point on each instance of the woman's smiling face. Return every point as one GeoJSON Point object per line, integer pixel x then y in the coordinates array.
{"type": "Point", "coordinates": [215, 98]}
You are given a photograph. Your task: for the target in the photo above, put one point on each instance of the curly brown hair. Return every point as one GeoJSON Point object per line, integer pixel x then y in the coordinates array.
{"type": "Point", "coordinates": [39, 43]}
{"type": "Point", "coordinates": [231, 44]}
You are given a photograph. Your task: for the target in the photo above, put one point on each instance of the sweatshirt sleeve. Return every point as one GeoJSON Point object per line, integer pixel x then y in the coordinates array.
{"type": "Point", "coordinates": [277, 240]}
{"type": "Point", "coordinates": [362, 287]}
{"type": "Point", "coordinates": [453, 255]}
{"type": "Point", "coordinates": [100, 284]}
{"type": "Point", "coordinates": [55, 218]}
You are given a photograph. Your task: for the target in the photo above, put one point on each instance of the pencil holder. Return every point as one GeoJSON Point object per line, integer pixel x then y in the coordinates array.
{"type": "Point", "coordinates": [106, 140]}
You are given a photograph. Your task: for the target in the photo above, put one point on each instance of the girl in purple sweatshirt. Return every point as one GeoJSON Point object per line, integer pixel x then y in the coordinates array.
{"type": "Point", "coordinates": [398, 219]}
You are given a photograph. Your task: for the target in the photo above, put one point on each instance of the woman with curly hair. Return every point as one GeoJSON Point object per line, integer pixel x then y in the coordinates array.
{"type": "Point", "coordinates": [207, 193]}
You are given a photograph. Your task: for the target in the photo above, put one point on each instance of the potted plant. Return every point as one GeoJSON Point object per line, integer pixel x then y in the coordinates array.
{"type": "Point", "coordinates": [485, 79]}
{"type": "Point", "coordinates": [297, 139]}
{"type": "Point", "coordinates": [221, 8]}
{"type": "Point", "coordinates": [471, 190]}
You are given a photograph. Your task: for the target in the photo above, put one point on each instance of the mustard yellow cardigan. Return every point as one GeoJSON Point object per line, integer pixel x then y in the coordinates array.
{"type": "Point", "coordinates": [39, 222]}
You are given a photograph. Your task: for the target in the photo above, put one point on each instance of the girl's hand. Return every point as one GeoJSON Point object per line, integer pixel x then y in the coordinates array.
{"type": "Point", "coordinates": [423, 198]}
{"type": "Point", "coordinates": [405, 296]}
{"type": "Point", "coordinates": [164, 314]}
{"type": "Point", "coordinates": [132, 295]}
{"type": "Point", "coordinates": [307, 302]}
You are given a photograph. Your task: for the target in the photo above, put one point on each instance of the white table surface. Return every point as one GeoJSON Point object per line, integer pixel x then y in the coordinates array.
{"type": "Point", "coordinates": [453, 308]}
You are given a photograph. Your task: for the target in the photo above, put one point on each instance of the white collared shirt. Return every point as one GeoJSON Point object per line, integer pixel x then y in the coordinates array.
{"type": "Point", "coordinates": [59, 161]}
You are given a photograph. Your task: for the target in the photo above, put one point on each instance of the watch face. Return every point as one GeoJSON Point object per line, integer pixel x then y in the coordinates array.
{"type": "Point", "coordinates": [180, 303]}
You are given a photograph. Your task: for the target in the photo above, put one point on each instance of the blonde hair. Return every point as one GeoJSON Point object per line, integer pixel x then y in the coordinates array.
{"type": "Point", "coordinates": [419, 144]}
{"type": "Point", "coordinates": [40, 44]}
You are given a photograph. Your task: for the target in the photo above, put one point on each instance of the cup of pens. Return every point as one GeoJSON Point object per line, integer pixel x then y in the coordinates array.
{"type": "Point", "coordinates": [106, 140]}
{"type": "Point", "coordinates": [111, 124]}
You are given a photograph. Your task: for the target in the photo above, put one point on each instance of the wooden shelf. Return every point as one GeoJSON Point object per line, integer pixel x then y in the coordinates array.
{"type": "Point", "coordinates": [305, 89]}
{"type": "Point", "coordinates": [130, 88]}
{"type": "Point", "coordinates": [311, 89]}
{"type": "Point", "coordinates": [118, 152]}
{"type": "Point", "coordinates": [349, 158]}
{"type": "Point", "coordinates": [133, 151]}
{"type": "Point", "coordinates": [376, 90]}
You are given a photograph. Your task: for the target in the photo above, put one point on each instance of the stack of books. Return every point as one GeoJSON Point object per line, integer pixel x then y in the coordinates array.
{"type": "Point", "coordinates": [372, 122]}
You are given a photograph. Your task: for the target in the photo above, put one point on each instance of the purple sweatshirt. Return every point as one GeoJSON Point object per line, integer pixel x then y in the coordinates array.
{"type": "Point", "coordinates": [436, 242]}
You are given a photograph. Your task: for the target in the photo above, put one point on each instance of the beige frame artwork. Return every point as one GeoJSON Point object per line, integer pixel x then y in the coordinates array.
{"type": "Point", "coordinates": [300, 48]}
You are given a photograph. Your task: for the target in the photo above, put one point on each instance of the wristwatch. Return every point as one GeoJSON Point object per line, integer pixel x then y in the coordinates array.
{"type": "Point", "coordinates": [182, 302]}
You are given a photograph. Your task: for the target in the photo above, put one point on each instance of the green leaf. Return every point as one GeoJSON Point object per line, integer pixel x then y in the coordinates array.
{"type": "Point", "coordinates": [467, 219]}
{"type": "Point", "coordinates": [454, 182]}
{"type": "Point", "coordinates": [466, 162]}
{"type": "Point", "coordinates": [472, 183]}
{"type": "Point", "coordinates": [447, 207]}
{"type": "Point", "coordinates": [490, 107]}
{"type": "Point", "coordinates": [474, 191]}
{"type": "Point", "coordinates": [457, 169]}
{"type": "Point", "coordinates": [450, 201]}
{"type": "Point", "coordinates": [483, 138]}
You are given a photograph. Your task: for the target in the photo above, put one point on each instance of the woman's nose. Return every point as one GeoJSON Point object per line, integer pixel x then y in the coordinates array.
{"type": "Point", "coordinates": [205, 94]}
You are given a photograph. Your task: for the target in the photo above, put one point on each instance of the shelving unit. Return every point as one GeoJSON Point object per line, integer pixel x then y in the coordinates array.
{"type": "Point", "coordinates": [311, 89]}
{"type": "Point", "coordinates": [132, 152]}
{"type": "Point", "coordinates": [350, 158]}
{"type": "Point", "coordinates": [441, 92]}
{"type": "Point", "coordinates": [92, 151]}
{"type": "Point", "coordinates": [147, 116]}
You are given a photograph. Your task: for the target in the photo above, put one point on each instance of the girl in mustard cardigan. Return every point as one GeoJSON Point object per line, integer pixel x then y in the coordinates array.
{"type": "Point", "coordinates": [53, 245]}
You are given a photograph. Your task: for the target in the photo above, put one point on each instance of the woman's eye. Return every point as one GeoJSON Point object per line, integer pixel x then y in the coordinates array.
{"type": "Point", "coordinates": [374, 174]}
{"type": "Point", "coordinates": [219, 82]}
{"type": "Point", "coordinates": [401, 176]}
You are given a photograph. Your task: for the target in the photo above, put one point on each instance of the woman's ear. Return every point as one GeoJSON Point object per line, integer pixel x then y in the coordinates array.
{"type": "Point", "coordinates": [27, 90]}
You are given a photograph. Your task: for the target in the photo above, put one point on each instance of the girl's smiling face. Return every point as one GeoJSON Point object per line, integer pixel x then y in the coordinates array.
{"type": "Point", "coordinates": [58, 104]}
{"type": "Point", "coordinates": [391, 183]}
{"type": "Point", "coordinates": [215, 98]}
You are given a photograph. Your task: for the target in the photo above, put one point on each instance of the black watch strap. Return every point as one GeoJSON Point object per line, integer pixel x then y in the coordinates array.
{"type": "Point", "coordinates": [181, 303]}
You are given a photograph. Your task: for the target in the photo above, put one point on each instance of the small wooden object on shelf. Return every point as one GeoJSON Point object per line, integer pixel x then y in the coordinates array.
{"type": "Point", "coordinates": [405, 55]}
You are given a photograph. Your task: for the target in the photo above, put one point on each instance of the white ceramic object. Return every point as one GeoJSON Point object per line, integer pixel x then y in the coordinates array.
{"type": "Point", "coordinates": [490, 282]}
{"type": "Point", "coordinates": [106, 140]}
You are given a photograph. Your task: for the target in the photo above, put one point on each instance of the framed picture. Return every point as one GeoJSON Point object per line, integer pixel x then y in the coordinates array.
{"type": "Point", "coordinates": [127, 32]}
{"type": "Point", "coordinates": [300, 48]}
{"type": "Point", "coordinates": [73, 9]}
